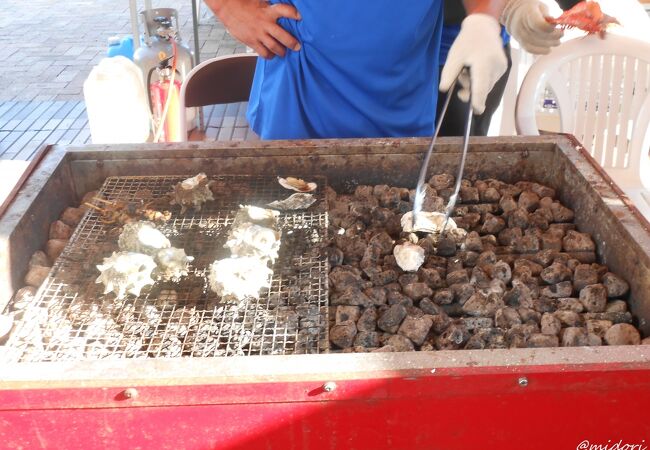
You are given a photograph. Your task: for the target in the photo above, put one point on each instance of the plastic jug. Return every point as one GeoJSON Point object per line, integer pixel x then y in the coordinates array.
{"type": "Point", "coordinates": [116, 102]}
{"type": "Point", "coordinates": [123, 47]}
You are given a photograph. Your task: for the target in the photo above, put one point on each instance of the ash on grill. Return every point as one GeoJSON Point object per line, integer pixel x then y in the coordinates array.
{"type": "Point", "coordinates": [515, 274]}
{"type": "Point", "coordinates": [63, 313]}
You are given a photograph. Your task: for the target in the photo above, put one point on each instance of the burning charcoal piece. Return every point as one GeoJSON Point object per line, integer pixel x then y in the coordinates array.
{"type": "Point", "coordinates": [598, 327]}
{"type": "Point", "coordinates": [417, 291]}
{"type": "Point", "coordinates": [416, 328]}
{"type": "Point", "coordinates": [550, 324]}
{"type": "Point", "coordinates": [345, 313]}
{"type": "Point", "coordinates": [342, 335]}
{"type": "Point", "coordinates": [616, 306]}
{"type": "Point", "coordinates": [578, 242]}
{"type": "Point", "coordinates": [616, 286]}
{"type": "Point", "coordinates": [540, 340]}
{"type": "Point", "coordinates": [367, 339]}
{"type": "Point", "coordinates": [72, 216]}
{"type": "Point", "coordinates": [36, 275]}
{"type": "Point", "coordinates": [555, 273]}
{"type": "Point", "coordinates": [454, 337]}
{"type": "Point", "coordinates": [569, 318]}
{"type": "Point", "coordinates": [368, 320]}
{"type": "Point", "coordinates": [506, 317]}
{"type": "Point", "coordinates": [59, 230]}
{"type": "Point", "coordinates": [54, 248]}
{"type": "Point", "coordinates": [528, 201]}
{"type": "Point", "coordinates": [400, 343]}
{"type": "Point", "coordinates": [559, 290]}
{"type": "Point", "coordinates": [480, 305]}
{"type": "Point", "coordinates": [392, 318]}
{"type": "Point", "coordinates": [584, 275]}
{"type": "Point", "coordinates": [594, 298]}
{"type": "Point", "coordinates": [442, 181]}
{"type": "Point", "coordinates": [622, 334]}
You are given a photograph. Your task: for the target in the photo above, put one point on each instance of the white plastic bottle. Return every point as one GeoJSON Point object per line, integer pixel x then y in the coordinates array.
{"type": "Point", "coordinates": [116, 103]}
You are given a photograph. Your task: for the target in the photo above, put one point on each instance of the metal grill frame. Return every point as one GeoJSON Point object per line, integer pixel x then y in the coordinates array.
{"type": "Point", "coordinates": [173, 319]}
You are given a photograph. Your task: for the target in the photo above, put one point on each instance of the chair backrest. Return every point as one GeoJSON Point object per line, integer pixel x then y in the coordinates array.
{"type": "Point", "coordinates": [602, 87]}
{"type": "Point", "coordinates": [224, 79]}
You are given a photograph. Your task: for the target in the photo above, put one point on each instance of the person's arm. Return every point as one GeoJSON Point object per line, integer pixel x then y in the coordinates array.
{"type": "Point", "coordinates": [478, 47]}
{"type": "Point", "coordinates": [492, 8]}
{"type": "Point", "coordinates": [254, 23]}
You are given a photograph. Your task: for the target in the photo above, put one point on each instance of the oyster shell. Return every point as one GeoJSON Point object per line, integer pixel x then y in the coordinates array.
{"type": "Point", "coordinates": [239, 277]}
{"type": "Point", "coordinates": [193, 191]}
{"type": "Point", "coordinates": [294, 202]}
{"type": "Point", "coordinates": [126, 273]}
{"type": "Point", "coordinates": [409, 256]}
{"type": "Point", "coordinates": [261, 216]}
{"type": "Point", "coordinates": [297, 184]}
{"type": "Point", "coordinates": [142, 237]}
{"type": "Point", "coordinates": [426, 222]}
{"type": "Point", "coordinates": [249, 239]}
{"type": "Point", "coordinates": [173, 263]}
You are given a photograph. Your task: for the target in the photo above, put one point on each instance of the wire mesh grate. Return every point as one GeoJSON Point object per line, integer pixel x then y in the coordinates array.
{"type": "Point", "coordinates": [72, 319]}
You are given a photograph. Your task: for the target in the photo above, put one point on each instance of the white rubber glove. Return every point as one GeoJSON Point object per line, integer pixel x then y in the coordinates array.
{"type": "Point", "coordinates": [478, 46]}
{"type": "Point", "coordinates": [525, 21]}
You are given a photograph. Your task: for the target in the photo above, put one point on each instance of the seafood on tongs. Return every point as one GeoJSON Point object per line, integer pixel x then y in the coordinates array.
{"type": "Point", "coordinates": [586, 16]}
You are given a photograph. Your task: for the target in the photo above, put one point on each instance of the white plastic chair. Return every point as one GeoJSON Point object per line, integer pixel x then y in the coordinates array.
{"type": "Point", "coordinates": [603, 93]}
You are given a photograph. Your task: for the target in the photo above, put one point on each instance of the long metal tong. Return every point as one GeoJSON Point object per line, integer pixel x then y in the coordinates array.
{"type": "Point", "coordinates": [419, 190]}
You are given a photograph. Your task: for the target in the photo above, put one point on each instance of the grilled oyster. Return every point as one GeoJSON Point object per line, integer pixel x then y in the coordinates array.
{"type": "Point", "coordinates": [194, 191]}
{"type": "Point", "coordinates": [173, 263]}
{"type": "Point", "coordinates": [239, 277]}
{"type": "Point", "coordinates": [142, 237]}
{"type": "Point", "coordinates": [126, 273]}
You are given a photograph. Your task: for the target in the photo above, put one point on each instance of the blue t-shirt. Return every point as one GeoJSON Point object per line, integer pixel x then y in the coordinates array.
{"type": "Point", "coordinates": [364, 70]}
{"type": "Point", "coordinates": [449, 34]}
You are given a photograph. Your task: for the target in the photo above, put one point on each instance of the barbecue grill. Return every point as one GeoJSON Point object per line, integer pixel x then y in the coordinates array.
{"type": "Point", "coordinates": [253, 383]}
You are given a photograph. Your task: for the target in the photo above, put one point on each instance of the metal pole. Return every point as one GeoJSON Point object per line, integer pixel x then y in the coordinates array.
{"type": "Point", "coordinates": [197, 55]}
{"type": "Point", "coordinates": [134, 24]}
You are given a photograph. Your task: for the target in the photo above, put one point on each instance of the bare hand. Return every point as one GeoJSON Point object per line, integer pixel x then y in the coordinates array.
{"type": "Point", "coordinates": [255, 23]}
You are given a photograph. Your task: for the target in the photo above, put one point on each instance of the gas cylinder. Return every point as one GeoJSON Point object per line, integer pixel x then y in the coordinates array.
{"type": "Point", "coordinates": [116, 103]}
{"type": "Point", "coordinates": [161, 25]}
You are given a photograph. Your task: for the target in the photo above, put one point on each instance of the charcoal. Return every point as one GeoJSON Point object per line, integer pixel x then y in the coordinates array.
{"type": "Point", "coordinates": [367, 339]}
{"type": "Point", "coordinates": [371, 257]}
{"type": "Point", "coordinates": [559, 290]}
{"type": "Point", "coordinates": [487, 258]}
{"type": "Point", "coordinates": [492, 224]}
{"type": "Point", "coordinates": [54, 247]}
{"type": "Point", "coordinates": [36, 275]}
{"type": "Point", "coordinates": [542, 191]}
{"type": "Point", "coordinates": [469, 195]}
{"type": "Point", "coordinates": [501, 271]}
{"type": "Point", "coordinates": [506, 317]}
{"type": "Point", "coordinates": [575, 337]}
{"type": "Point", "coordinates": [480, 305]}
{"type": "Point", "coordinates": [346, 313]}
{"type": "Point", "coordinates": [528, 243]}
{"type": "Point", "coordinates": [507, 204]}
{"type": "Point", "coordinates": [440, 322]}
{"type": "Point", "coordinates": [462, 292]}
{"type": "Point", "coordinates": [342, 335]}
{"type": "Point", "coordinates": [334, 256]}
{"type": "Point", "coordinates": [353, 297]}
{"type": "Point", "coordinates": [377, 295]}
{"type": "Point", "coordinates": [622, 334]}
{"type": "Point", "coordinates": [474, 323]}
{"type": "Point", "coordinates": [416, 328]}
{"type": "Point", "coordinates": [441, 181]}
{"type": "Point", "coordinates": [454, 337]}
{"type": "Point", "coordinates": [344, 278]}
{"type": "Point", "coordinates": [598, 327]}
{"type": "Point", "coordinates": [569, 318]}
{"type": "Point", "coordinates": [384, 277]}
{"type": "Point", "coordinates": [544, 304]}
{"type": "Point", "coordinates": [584, 275]}
{"type": "Point", "coordinates": [615, 317]}
{"type": "Point", "coordinates": [72, 216]}
{"type": "Point", "coordinates": [479, 277]}
{"type": "Point", "coordinates": [490, 195]}
{"type": "Point", "coordinates": [529, 316]}
{"type": "Point", "coordinates": [570, 304]}
{"type": "Point", "coordinates": [397, 297]}
{"type": "Point", "coordinates": [446, 247]}
{"type": "Point", "coordinates": [578, 242]}
{"type": "Point", "coordinates": [561, 213]}
{"type": "Point", "coordinates": [473, 242]}
{"type": "Point", "coordinates": [431, 277]}
{"type": "Point", "coordinates": [616, 286]}
{"type": "Point", "coordinates": [364, 192]}
{"type": "Point", "coordinates": [550, 324]}
{"type": "Point", "coordinates": [400, 343]}
{"type": "Point", "coordinates": [417, 291]}
{"type": "Point", "coordinates": [550, 241]}
{"type": "Point", "coordinates": [457, 276]}
{"type": "Point", "coordinates": [443, 297]}
{"type": "Point", "coordinates": [392, 318]}
{"type": "Point", "coordinates": [594, 298]}
{"type": "Point", "coordinates": [429, 307]}
{"type": "Point", "coordinates": [534, 268]}
{"type": "Point", "coordinates": [368, 320]}
{"type": "Point", "coordinates": [519, 295]}
{"type": "Point", "coordinates": [542, 340]}
{"type": "Point", "coordinates": [616, 306]}
{"type": "Point", "coordinates": [528, 200]}
{"type": "Point", "coordinates": [555, 273]}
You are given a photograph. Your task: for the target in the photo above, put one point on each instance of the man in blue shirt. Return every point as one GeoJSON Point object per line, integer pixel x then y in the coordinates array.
{"type": "Point", "coordinates": [362, 68]}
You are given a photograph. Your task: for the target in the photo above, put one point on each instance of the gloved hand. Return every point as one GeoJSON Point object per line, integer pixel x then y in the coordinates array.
{"type": "Point", "coordinates": [478, 46]}
{"type": "Point", "coordinates": [524, 20]}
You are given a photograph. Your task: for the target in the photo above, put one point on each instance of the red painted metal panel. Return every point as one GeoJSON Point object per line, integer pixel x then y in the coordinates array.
{"type": "Point", "coordinates": [439, 411]}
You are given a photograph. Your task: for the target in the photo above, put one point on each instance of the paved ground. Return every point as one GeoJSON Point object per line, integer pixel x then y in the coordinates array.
{"type": "Point", "coordinates": [48, 47]}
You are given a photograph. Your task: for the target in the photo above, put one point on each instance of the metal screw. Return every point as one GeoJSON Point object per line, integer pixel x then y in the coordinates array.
{"type": "Point", "coordinates": [130, 393]}
{"type": "Point", "coordinates": [523, 381]}
{"type": "Point", "coordinates": [329, 386]}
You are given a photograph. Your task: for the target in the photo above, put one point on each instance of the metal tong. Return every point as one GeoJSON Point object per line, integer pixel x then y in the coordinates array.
{"type": "Point", "coordinates": [419, 190]}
